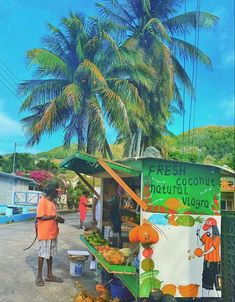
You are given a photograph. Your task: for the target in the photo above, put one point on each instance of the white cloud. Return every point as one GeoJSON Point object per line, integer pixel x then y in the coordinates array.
{"type": "Point", "coordinates": [9, 126]}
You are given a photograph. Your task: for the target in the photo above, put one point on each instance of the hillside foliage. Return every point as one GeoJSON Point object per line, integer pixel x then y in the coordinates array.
{"type": "Point", "coordinates": [207, 145]}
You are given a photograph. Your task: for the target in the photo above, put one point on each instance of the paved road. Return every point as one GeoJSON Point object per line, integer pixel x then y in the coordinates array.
{"type": "Point", "coordinates": [18, 268]}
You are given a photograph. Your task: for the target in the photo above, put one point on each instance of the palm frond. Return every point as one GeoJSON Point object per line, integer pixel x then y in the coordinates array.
{"type": "Point", "coordinates": [40, 92]}
{"type": "Point", "coordinates": [57, 47]}
{"type": "Point", "coordinates": [183, 23]}
{"type": "Point", "coordinates": [89, 67]}
{"type": "Point", "coordinates": [182, 76]}
{"type": "Point", "coordinates": [96, 129]}
{"type": "Point", "coordinates": [76, 127]}
{"type": "Point", "coordinates": [178, 99]}
{"type": "Point", "coordinates": [47, 118]}
{"type": "Point", "coordinates": [110, 14]}
{"type": "Point", "coordinates": [59, 36]}
{"type": "Point", "coordinates": [115, 109]}
{"type": "Point", "coordinates": [112, 43]}
{"type": "Point", "coordinates": [189, 51]}
{"type": "Point", "coordinates": [27, 103]}
{"type": "Point", "coordinates": [158, 28]}
{"type": "Point", "coordinates": [141, 74]}
{"type": "Point", "coordinates": [48, 63]}
{"type": "Point", "coordinates": [73, 94]}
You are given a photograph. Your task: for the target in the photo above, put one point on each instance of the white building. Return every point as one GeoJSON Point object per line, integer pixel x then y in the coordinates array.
{"type": "Point", "coordinates": [15, 189]}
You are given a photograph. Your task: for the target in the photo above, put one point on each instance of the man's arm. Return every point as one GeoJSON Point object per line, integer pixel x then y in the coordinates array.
{"type": "Point", "coordinates": [51, 217]}
{"type": "Point", "coordinates": [57, 218]}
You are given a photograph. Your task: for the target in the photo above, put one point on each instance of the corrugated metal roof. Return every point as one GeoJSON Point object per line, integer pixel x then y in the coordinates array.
{"type": "Point", "coordinates": [89, 165]}
{"type": "Point", "coordinates": [16, 176]}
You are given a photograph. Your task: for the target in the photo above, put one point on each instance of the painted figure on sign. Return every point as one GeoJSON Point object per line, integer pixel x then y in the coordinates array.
{"type": "Point", "coordinates": [211, 265]}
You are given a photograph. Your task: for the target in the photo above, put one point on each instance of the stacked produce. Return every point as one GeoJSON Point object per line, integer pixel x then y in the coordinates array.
{"type": "Point", "coordinates": [102, 294]}
{"type": "Point", "coordinates": [131, 218]}
{"type": "Point", "coordinates": [110, 254]}
{"type": "Point", "coordinates": [96, 239]}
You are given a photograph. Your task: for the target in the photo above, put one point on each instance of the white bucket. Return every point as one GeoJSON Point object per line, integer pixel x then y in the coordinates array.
{"type": "Point", "coordinates": [76, 268]}
{"type": "Point", "coordinates": [77, 262]}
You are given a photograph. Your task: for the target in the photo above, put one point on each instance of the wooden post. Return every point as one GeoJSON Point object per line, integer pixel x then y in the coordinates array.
{"type": "Point", "coordinates": [123, 184]}
{"type": "Point", "coordinates": [88, 185]}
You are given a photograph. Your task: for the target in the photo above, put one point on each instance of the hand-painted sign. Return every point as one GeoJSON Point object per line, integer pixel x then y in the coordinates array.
{"type": "Point", "coordinates": [176, 187]}
{"type": "Point", "coordinates": [186, 260]}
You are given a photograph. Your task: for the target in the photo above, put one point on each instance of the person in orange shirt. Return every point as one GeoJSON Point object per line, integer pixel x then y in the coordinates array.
{"type": "Point", "coordinates": [47, 230]}
{"type": "Point", "coordinates": [211, 265]}
{"type": "Point", "coordinates": [82, 208]}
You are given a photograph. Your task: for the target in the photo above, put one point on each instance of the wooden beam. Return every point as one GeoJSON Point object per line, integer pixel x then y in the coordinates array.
{"type": "Point", "coordinates": [123, 184]}
{"type": "Point", "coordinates": [88, 185]}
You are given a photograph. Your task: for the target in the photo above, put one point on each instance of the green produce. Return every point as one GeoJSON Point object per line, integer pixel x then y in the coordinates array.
{"type": "Point", "coordinates": [148, 284]}
{"type": "Point", "coordinates": [146, 275]}
{"type": "Point", "coordinates": [147, 264]}
{"type": "Point", "coordinates": [96, 239]}
{"type": "Point", "coordinates": [188, 220]}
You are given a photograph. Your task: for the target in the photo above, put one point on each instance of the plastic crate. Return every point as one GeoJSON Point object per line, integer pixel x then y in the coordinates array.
{"type": "Point", "coordinates": [228, 258]}
{"type": "Point", "coordinates": [228, 293]}
{"type": "Point", "coordinates": [228, 243]}
{"type": "Point", "coordinates": [228, 224]}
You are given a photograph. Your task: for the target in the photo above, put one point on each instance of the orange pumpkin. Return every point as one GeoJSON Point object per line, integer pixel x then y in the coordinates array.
{"type": "Point", "coordinates": [169, 289]}
{"type": "Point", "coordinates": [198, 252]}
{"type": "Point", "coordinates": [189, 291]}
{"type": "Point", "coordinates": [133, 235]}
{"type": "Point", "coordinates": [147, 234]}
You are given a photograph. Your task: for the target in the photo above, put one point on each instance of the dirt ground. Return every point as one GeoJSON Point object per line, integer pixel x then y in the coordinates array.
{"type": "Point", "coordinates": [19, 268]}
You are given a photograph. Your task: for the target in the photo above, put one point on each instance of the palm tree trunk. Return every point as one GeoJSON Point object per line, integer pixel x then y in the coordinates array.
{"type": "Point", "coordinates": [138, 145]}
{"type": "Point", "coordinates": [107, 147]}
{"type": "Point", "coordinates": [131, 146]}
{"type": "Point", "coordinates": [142, 149]}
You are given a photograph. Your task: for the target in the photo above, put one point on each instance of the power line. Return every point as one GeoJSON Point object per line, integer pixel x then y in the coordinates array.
{"type": "Point", "coordinates": [9, 75]}
{"type": "Point", "coordinates": [9, 70]}
{"type": "Point", "coordinates": [10, 79]}
{"type": "Point", "coordinates": [7, 81]}
{"type": "Point", "coordinates": [10, 90]}
{"type": "Point", "coordinates": [184, 89]}
{"type": "Point", "coordinates": [196, 73]}
{"type": "Point", "coordinates": [9, 86]}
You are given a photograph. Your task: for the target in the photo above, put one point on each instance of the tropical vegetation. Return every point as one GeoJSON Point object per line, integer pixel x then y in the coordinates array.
{"type": "Point", "coordinates": [212, 145]}
{"type": "Point", "coordinates": [154, 29]}
{"type": "Point", "coordinates": [123, 66]}
{"type": "Point", "coordinates": [70, 91]}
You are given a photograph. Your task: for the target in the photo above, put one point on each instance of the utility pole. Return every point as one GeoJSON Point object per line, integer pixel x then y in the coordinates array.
{"type": "Point", "coordinates": [14, 160]}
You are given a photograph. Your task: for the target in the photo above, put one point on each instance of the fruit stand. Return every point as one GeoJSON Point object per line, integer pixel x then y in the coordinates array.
{"type": "Point", "coordinates": [167, 215]}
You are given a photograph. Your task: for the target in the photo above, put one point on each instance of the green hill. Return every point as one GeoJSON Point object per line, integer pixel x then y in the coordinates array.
{"type": "Point", "coordinates": [60, 153]}
{"type": "Point", "coordinates": [211, 144]}
{"type": "Point", "coordinates": [208, 145]}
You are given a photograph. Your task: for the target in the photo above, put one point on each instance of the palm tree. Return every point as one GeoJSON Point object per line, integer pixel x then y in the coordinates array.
{"type": "Point", "coordinates": [153, 27]}
{"type": "Point", "coordinates": [70, 91]}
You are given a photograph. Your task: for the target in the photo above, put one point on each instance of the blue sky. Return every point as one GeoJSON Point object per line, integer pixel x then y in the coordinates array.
{"type": "Point", "coordinates": [23, 24]}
